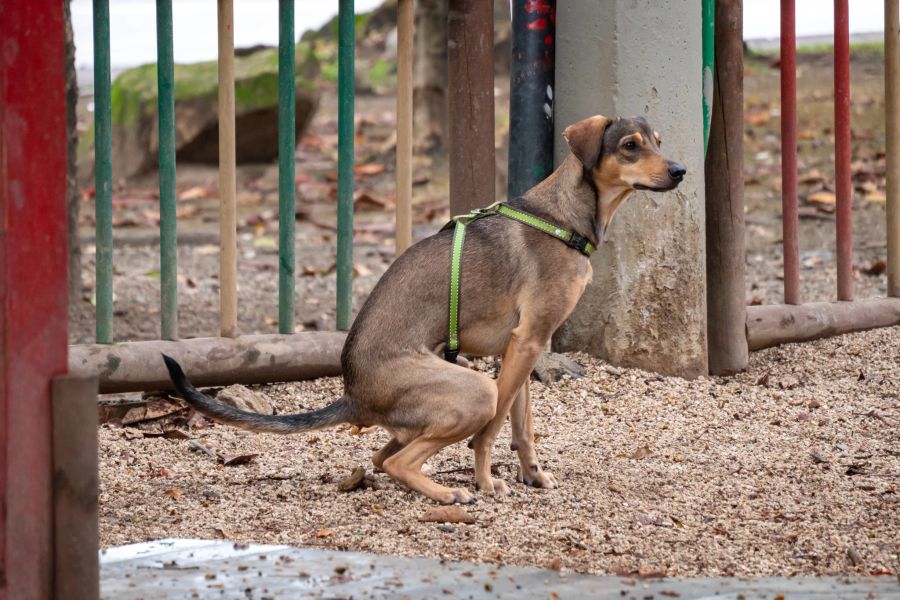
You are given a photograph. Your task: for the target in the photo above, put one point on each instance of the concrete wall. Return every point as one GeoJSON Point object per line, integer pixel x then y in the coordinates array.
{"type": "Point", "coordinates": [647, 304]}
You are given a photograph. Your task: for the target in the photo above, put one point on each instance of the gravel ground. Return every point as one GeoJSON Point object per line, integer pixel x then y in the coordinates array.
{"type": "Point", "coordinates": [790, 468]}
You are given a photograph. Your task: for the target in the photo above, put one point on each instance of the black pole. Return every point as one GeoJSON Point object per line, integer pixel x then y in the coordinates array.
{"type": "Point", "coordinates": [531, 94]}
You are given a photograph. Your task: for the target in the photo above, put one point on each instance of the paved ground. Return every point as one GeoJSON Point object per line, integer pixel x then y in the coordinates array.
{"type": "Point", "coordinates": [215, 569]}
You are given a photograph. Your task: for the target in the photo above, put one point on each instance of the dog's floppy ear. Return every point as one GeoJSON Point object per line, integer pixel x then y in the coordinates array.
{"type": "Point", "coordinates": [585, 139]}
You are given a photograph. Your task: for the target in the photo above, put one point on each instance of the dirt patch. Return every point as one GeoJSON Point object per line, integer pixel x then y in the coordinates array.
{"type": "Point", "coordinates": [790, 468]}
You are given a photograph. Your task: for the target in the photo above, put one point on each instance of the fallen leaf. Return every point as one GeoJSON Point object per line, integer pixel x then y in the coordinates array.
{"type": "Point", "coordinates": [169, 434]}
{"type": "Point", "coordinates": [241, 459]}
{"type": "Point", "coordinates": [360, 270]}
{"type": "Point", "coordinates": [447, 514]}
{"type": "Point", "coordinates": [876, 268]}
{"type": "Point", "coordinates": [354, 430]}
{"type": "Point", "coordinates": [323, 533]}
{"type": "Point", "coordinates": [370, 201]}
{"type": "Point", "coordinates": [224, 533]}
{"type": "Point", "coordinates": [826, 198]}
{"type": "Point", "coordinates": [876, 196]}
{"type": "Point", "coordinates": [642, 452]}
{"type": "Point", "coordinates": [174, 493]}
{"type": "Point", "coordinates": [194, 193]}
{"type": "Point", "coordinates": [369, 169]}
{"type": "Point", "coordinates": [651, 572]}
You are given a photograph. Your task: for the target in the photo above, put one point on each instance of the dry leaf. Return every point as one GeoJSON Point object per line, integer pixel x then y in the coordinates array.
{"type": "Point", "coordinates": [241, 459]}
{"type": "Point", "coordinates": [876, 196]}
{"type": "Point", "coordinates": [194, 193]}
{"type": "Point", "coordinates": [447, 514]}
{"type": "Point", "coordinates": [224, 533]}
{"type": "Point", "coordinates": [169, 434]}
{"type": "Point", "coordinates": [875, 268]}
{"type": "Point", "coordinates": [174, 493]}
{"type": "Point", "coordinates": [354, 430]}
{"type": "Point", "coordinates": [827, 198]}
{"type": "Point", "coordinates": [323, 533]}
{"type": "Point", "coordinates": [642, 452]}
{"type": "Point", "coordinates": [369, 169]}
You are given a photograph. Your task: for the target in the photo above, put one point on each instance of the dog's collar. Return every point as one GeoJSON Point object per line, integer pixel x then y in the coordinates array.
{"type": "Point", "coordinates": [571, 238]}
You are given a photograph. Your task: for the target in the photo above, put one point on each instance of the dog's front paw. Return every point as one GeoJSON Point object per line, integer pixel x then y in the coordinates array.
{"type": "Point", "coordinates": [455, 496]}
{"type": "Point", "coordinates": [537, 477]}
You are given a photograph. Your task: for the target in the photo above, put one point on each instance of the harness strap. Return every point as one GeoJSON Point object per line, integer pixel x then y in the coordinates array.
{"type": "Point", "coordinates": [459, 223]}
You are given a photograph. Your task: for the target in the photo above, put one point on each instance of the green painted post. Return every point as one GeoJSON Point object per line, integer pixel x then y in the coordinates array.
{"type": "Point", "coordinates": [345, 165]}
{"type": "Point", "coordinates": [168, 243]}
{"type": "Point", "coordinates": [103, 173]}
{"type": "Point", "coordinates": [709, 44]}
{"type": "Point", "coordinates": [286, 149]}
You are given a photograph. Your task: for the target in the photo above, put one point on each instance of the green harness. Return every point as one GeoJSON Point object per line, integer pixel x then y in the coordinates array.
{"type": "Point", "coordinates": [570, 238]}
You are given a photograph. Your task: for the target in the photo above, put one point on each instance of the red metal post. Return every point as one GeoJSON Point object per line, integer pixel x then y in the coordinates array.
{"type": "Point", "coordinates": [33, 342]}
{"type": "Point", "coordinates": [789, 217]}
{"type": "Point", "coordinates": [843, 184]}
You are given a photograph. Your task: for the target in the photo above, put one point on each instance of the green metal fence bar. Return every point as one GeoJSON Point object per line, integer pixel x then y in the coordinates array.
{"type": "Point", "coordinates": [103, 173]}
{"type": "Point", "coordinates": [286, 149]}
{"type": "Point", "coordinates": [709, 42]}
{"type": "Point", "coordinates": [168, 244]}
{"type": "Point", "coordinates": [345, 164]}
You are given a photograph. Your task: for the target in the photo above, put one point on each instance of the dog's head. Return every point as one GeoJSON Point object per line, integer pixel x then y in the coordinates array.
{"type": "Point", "coordinates": [620, 156]}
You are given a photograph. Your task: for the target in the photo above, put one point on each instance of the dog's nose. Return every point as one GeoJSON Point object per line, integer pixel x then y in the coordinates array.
{"type": "Point", "coordinates": [676, 171]}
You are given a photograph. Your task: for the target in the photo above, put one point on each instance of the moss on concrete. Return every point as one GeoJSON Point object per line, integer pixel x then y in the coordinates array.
{"type": "Point", "coordinates": [256, 83]}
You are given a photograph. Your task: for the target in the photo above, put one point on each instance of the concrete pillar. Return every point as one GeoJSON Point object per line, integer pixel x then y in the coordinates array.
{"type": "Point", "coordinates": [646, 306]}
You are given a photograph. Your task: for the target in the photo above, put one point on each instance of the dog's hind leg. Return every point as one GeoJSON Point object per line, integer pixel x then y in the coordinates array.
{"type": "Point", "coordinates": [389, 449]}
{"type": "Point", "coordinates": [451, 404]}
{"type": "Point", "coordinates": [520, 417]}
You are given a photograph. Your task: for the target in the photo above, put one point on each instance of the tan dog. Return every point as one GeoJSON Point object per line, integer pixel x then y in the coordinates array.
{"type": "Point", "coordinates": [518, 286]}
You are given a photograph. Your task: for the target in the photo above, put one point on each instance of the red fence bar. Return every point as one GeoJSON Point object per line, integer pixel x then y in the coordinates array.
{"type": "Point", "coordinates": [33, 309]}
{"type": "Point", "coordinates": [843, 184]}
{"type": "Point", "coordinates": [892, 136]}
{"type": "Point", "coordinates": [789, 215]}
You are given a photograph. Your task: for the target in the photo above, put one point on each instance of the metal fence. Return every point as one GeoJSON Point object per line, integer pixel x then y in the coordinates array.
{"type": "Point", "coordinates": [733, 327]}
{"type": "Point", "coordinates": [227, 159]}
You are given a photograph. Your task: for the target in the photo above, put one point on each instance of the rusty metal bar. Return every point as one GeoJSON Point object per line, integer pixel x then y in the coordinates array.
{"type": "Point", "coordinates": [843, 183]}
{"type": "Point", "coordinates": [789, 216]}
{"type": "Point", "coordinates": [892, 138]}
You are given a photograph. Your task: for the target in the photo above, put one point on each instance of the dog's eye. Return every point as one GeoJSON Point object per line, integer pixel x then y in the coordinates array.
{"type": "Point", "coordinates": [629, 145]}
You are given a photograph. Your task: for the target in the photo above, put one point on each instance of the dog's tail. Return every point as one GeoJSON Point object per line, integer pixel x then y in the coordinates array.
{"type": "Point", "coordinates": [337, 412]}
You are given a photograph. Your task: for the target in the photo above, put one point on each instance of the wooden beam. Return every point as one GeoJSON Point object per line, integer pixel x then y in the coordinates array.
{"type": "Point", "coordinates": [470, 54]}
{"type": "Point", "coordinates": [33, 298]}
{"type": "Point", "coordinates": [76, 537]}
{"type": "Point", "coordinates": [403, 236]}
{"type": "Point", "coordinates": [725, 253]}
{"type": "Point", "coordinates": [227, 174]}
{"type": "Point", "coordinates": [785, 323]}
{"type": "Point", "coordinates": [138, 366]}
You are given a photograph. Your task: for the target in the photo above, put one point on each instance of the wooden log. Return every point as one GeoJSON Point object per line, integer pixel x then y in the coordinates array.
{"type": "Point", "coordinates": [76, 537]}
{"type": "Point", "coordinates": [776, 324]}
{"type": "Point", "coordinates": [138, 366]}
{"type": "Point", "coordinates": [470, 54]}
{"type": "Point", "coordinates": [726, 293]}
{"type": "Point", "coordinates": [403, 236]}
